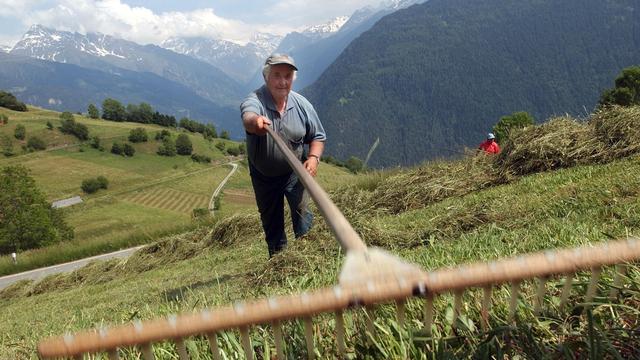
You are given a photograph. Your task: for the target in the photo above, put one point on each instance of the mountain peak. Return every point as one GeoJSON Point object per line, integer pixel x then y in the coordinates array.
{"type": "Point", "coordinates": [326, 29]}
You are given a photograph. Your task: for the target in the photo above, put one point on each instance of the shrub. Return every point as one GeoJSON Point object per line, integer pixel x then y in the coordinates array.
{"type": "Point", "coordinates": [220, 145]}
{"type": "Point", "coordinates": [9, 101]}
{"type": "Point", "coordinates": [168, 147]}
{"type": "Point", "coordinates": [161, 135]}
{"type": "Point", "coordinates": [90, 186]}
{"type": "Point", "coordinates": [49, 125]}
{"type": "Point", "coordinates": [183, 145]}
{"type": "Point", "coordinates": [70, 126]}
{"type": "Point", "coordinates": [354, 164]}
{"type": "Point", "coordinates": [95, 142]}
{"type": "Point", "coordinates": [243, 148]}
{"type": "Point", "coordinates": [117, 148]}
{"type": "Point", "coordinates": [128, 149]}
{"type": "Point", "coordinates": [200, 158]}
{"type": "Point", "coordinates": [233, 151]}
{"type": "Point", "coordinates": [224, 135]}
{"type": "Point", "coordinates": [67, 116]}
{"type": "Point", "coordinates": [199, 213]}
{"type": "Point", "coordinates": [20, 132]}
{"type": "Point", "coordinates": [6, 145]}
{"type": "Point", "coordinates": [36, 143]}
{"type": "Point", "coordinates": [138, 135]}
{"type": "Point", "coordinates": [4, 119]}
{"type": "Point", "coordinates": [102, 181]}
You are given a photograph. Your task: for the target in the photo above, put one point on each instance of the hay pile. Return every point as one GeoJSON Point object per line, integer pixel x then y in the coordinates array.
{"type": "Point", "coordinates": [619, 129]}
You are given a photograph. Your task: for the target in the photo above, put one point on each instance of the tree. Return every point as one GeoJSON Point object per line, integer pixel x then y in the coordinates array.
{"type": "Point", "coordinates": [95, 142]}
{"type": "Point", "coordinates": [626, 91]}
{"type": "Point", "coordinates": [224, 134]}
{"type": "Point", "coordinates": [9, 101]}
{"type": "Point", "coordinates": [183, 145]}
{"type": "Point", "coordinates": [92, 185]}
{"type": "Point", "coordinates": [28, 221]}
{"type": "Point", "coordinates": [161, 135]}
{"type": "Point", "coordinates": [20, 132]}
{"type": "Point", "coordinates": [93, 111]}
{"type": "Point", "coordinates": [210, 132]}
{"type": "Point", "coordinates": [138, 135]}
{"type": "Point", "coordinates": [36, 143]}
{"type": "Point", "coordinates": [506, 124]}
{"type": "Point", "coordinates": [113, 110]}
{"type": "Point", "coordinates": [168, 147]}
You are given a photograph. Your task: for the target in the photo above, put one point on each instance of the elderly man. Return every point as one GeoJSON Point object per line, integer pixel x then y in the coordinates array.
{"type": "Point", "coordinates": [296, 121]}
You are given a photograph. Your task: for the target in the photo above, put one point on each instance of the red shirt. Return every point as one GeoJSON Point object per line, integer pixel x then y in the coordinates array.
{"type": "Point", "coordinates": [490, 147]}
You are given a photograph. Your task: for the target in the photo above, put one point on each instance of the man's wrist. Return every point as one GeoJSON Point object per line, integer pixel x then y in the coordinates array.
{"type": "Point", "coordinates": [314, 156]}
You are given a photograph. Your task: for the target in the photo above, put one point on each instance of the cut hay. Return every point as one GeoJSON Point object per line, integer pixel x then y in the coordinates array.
{"type": "Point", "coordinates": [559, 143]}
{"type": "Point", "coordinates": [619, 129]}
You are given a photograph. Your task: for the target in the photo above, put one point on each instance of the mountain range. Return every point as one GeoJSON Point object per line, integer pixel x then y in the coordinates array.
{"type": "Point", "coordinates": [434, 78]}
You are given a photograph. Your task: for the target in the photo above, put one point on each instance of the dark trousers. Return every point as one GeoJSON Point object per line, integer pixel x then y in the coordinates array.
{"type": "Point", "coordinates": [270, 193]}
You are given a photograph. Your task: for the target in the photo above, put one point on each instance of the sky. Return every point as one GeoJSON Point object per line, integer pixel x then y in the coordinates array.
{"type": "Point", "coordinates": [147, 21]}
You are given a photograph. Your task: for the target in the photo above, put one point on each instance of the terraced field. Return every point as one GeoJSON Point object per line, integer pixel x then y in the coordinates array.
{"type": "Point", "coordinates": [169, 199]}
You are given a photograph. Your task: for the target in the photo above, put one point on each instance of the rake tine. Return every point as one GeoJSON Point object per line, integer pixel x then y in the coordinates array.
{"type": "Point", "coordinates": [515, 292]}
{"type": "Point", "coordinates": [621, 270]}
{"type": "Point", "coordinates": [277, 337]}
{"type": "Point", "coordinates": [308, 336]}
{"type": "Point", "coordinates": [340, 334]}
{"type": "Point", "coordinates": [182, 350]}
{"type": "Point", "coordinates": [566, 290]}
{"type": "Point", "coordinates": [147, 351]}
{"type": "Point", "coordinates": [457, 306]}
{"type": "Point", "coordinates": [113, 354]}
{"type": "Point", "coordinates": [593, 285]}
{"type": "Point", "coordinates": [542, 288]}
{"type": "Point", "coordinates": [486, 306]}
{"type": "Point", "coordinates": [400, 312]}
{"type": "Point", "coordinates": [428, 314]}
{"type": "Point", "coordinates": [213, 343]}
{"type": "Point", "coordinates": [246, 342]}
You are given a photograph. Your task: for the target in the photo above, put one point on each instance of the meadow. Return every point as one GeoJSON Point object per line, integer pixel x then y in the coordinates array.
{"type": "Point", "coordinates": [563, 193]}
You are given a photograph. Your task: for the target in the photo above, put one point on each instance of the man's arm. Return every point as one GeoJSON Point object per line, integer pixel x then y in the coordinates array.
{"type": "Point", "coordinates": [254, 123]}
{"type": "Point", "coordinates": [316, 148]}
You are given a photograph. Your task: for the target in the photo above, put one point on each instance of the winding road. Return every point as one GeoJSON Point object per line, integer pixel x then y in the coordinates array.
{"type": "Point", "coordinates": [38, 274]}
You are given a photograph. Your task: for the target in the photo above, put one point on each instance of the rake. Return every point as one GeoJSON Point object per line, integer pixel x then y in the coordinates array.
{"type": "Point", "coordinates": [369, 276]}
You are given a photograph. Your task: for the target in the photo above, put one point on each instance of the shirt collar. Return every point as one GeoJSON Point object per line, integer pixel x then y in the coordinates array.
{"type": "Point", "coordinates": [271, 105]}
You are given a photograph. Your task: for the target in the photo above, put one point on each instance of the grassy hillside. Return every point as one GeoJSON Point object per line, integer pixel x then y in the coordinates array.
{"type": "Point", "coordinates": [568, 190]}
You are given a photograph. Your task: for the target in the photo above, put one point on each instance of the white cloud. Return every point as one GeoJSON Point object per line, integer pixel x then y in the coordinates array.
{"type": "Point", "coordinates": [140, 24]}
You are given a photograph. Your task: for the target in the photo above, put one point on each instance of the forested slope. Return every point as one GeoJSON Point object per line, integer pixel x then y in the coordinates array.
{"type": "Point", "coordinates": [433, 78]}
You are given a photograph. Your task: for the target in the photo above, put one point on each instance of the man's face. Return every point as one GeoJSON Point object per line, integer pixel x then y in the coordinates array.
{"type": "Point", "coordinates": [280, 80]}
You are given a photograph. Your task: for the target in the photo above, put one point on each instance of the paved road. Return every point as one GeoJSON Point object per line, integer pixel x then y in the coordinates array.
{"type": "Point", "coordinates": [216, 192]}
{"type": "Point", "coordinates": [38, 274]}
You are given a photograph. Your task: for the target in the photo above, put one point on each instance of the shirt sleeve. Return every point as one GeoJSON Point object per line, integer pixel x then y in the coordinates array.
{"type": "Point", "coordinates": [251, 104]}
{"type": "Point", "coordinates": [315, 130]}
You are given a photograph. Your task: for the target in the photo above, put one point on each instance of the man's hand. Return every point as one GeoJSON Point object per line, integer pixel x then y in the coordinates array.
{"type": "Point", "coordinates": [255, 124]}
{"type": "Point", "coordinates": [312, 165]}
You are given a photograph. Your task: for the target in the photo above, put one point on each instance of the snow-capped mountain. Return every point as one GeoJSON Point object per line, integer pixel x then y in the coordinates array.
{"type": "Point", "coordinates": [111, 54]}
{"type": "Point", "coordinates": [326, 29]}
{"type": "Point", "coordinates": [237, 61]}
{"type": "Point", "coordinates": [5, 48]}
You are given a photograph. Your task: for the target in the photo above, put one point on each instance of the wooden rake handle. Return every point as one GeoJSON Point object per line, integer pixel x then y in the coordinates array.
{"type": "Point", "coordinates": [342, 230]}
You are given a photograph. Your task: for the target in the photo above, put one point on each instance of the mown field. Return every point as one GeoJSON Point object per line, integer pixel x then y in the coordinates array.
{"type": "Point", "coordinates": [561, 194]}
{"type": "Point", "coordinates": [148, 195]}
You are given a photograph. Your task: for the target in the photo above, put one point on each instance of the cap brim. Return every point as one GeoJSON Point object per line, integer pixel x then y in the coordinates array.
{"type": "Point", "coordinates": [285, 63]}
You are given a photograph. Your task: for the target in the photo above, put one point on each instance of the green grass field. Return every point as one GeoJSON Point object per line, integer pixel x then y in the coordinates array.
{"type": "Point", "coordinates": [581, 205]}
{"type": "Point", "coordinates": [148, 194]}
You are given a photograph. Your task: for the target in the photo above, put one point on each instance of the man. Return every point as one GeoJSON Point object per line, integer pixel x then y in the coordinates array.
{"type": "Point", "coordinates": [295, 120]}
{"type": "Point", "coordinates": [490, 145]}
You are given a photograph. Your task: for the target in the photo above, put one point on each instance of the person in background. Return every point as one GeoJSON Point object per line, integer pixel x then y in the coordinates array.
{"type": "Point", "coordinates": [14, 257]}
{"type": "Point", "coordinates": [490, 145]}
{"type": "Point", "coordinates": [293, 117]}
